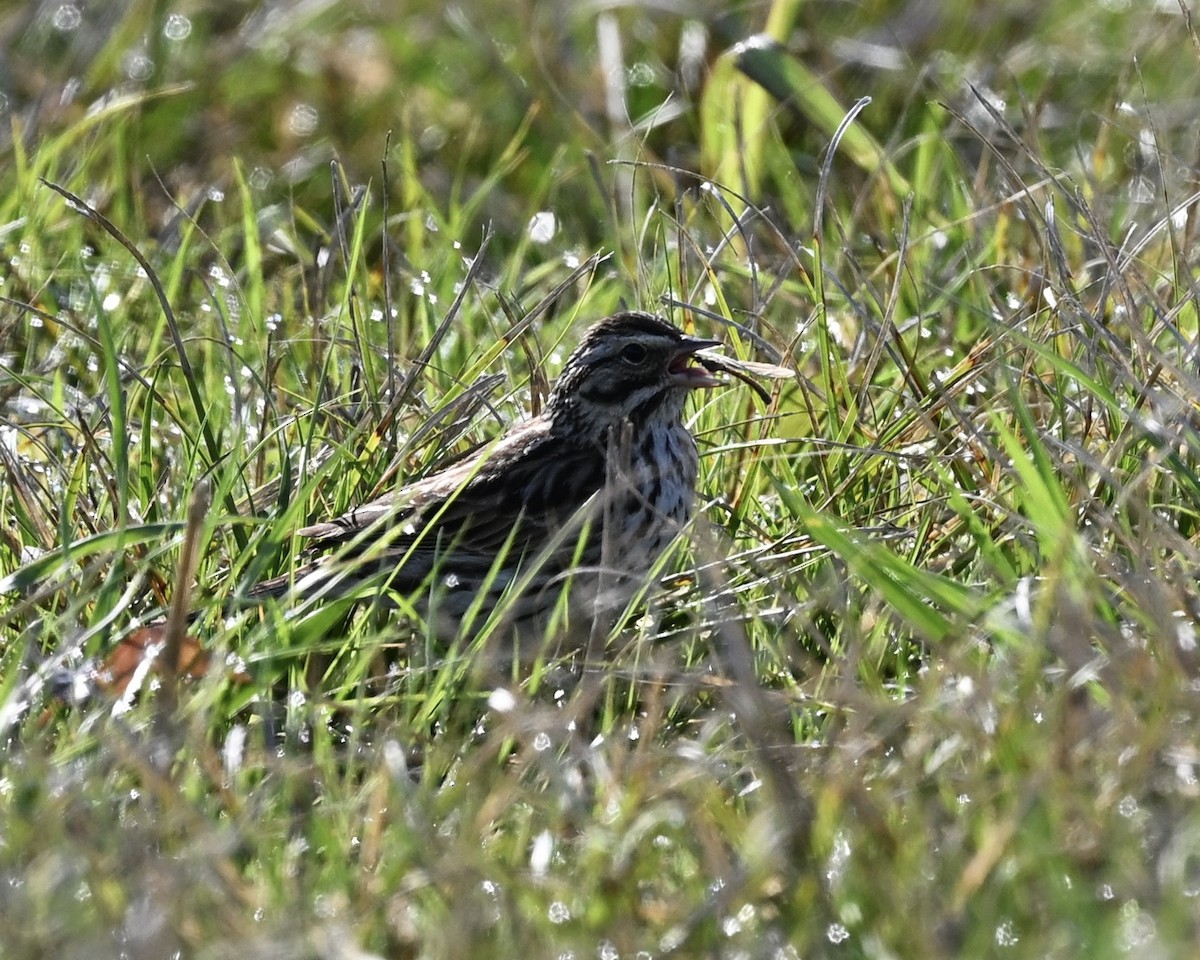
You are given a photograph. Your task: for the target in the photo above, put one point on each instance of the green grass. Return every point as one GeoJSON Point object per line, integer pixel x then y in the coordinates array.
{"type": "Point", "coordinates": [923, 681]}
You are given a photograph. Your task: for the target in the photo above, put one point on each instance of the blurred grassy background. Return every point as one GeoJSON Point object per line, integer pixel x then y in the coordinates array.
{"type": "Point", "coordinates": [925, 679]}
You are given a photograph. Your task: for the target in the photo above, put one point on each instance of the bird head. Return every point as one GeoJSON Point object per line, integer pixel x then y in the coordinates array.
{"type": "Point", "coordinates": [631, 367]}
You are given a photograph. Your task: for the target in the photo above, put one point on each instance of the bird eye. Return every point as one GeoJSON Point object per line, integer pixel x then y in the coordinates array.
{"type": "Point", "coordinates": [633, 353]}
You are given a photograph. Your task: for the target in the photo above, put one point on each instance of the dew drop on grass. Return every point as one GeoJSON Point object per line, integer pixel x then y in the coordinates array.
{"type": "Point", "coordinates": [66, 18]}
{"type": "Point", "coordinates": [836, 933]}
{"type": "Point", "coordinates": [558, 912]}
{"type": "Point", "coordinates": [137, 65]}
{"type": "Point", "coordinates": [177, 27]}
{"type": "Point", "coordinates": [540, 854]}
{"type": "Point", "coordinates": [1185, 636]}
{"type": "Point", "coordinates": [234, 750]}
{"type": "Point", "coordinates": [419, 284]}
{"type": "Point", "coordinates": [839, 857]}
{"type": "Point", "coordinates": [640, 74]}
{"type": "Point", "coordinates": [303, 120]}
{"type": "Point", "coordinates": [394, 759]}
{"type": "Point", "coordinates": [1137, 927]}
{"type": "Point", "coordinates": [543, 225]}
{"type": "Point", "coordinates": [1005, 936]}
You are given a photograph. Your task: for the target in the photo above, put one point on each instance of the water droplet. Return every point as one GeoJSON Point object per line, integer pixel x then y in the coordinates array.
{"type": "Point", "coordinates": [303, 120]}
{"type": "Point", "coordinates": [177, 27]}
{"type": "Point", "coordinates": [137, 65]}
{"type": "Point", "coordinates": [66, 18]}
{"type": "Point", "coordinates": [539, 856]}
{"type": "Point", "coordinates": [234, 749]}
{"type": "Point", "coordinates": [836, 933]}
{"type": "Point", "coordinates": [543, 225]}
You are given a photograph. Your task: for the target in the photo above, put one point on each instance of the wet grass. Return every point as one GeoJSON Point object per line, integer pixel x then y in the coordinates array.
{"type": "Point", "coordinates": [922, 681]}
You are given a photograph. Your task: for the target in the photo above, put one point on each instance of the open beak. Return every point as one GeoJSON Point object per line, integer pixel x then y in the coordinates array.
{"type": "Point", "coordinates": [686, 374]}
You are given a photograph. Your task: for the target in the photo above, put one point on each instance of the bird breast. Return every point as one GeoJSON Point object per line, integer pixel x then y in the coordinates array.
{"type": "Point", "coordinates": [656, 501]}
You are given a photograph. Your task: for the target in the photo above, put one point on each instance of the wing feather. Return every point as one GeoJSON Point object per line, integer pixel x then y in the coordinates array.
{"type": "Point", "coordinates": [524, 487]}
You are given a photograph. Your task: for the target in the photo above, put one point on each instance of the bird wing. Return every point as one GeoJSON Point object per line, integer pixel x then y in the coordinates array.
{"type": "Point", "coordinates": [524, 487]}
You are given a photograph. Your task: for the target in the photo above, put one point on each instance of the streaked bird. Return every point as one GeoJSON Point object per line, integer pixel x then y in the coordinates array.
{"type": "Point", "coordinates": [584, 498]}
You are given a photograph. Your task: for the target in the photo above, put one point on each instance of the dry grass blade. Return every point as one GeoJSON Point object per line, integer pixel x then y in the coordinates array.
{"type": "Point", "coordinates": [746, 371]}
{"type": "Point", "coordinates": [176, 628]}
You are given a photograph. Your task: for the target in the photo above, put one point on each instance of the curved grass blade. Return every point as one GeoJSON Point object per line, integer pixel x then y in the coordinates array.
{"type": "Point", "coordinates": [38, 572]}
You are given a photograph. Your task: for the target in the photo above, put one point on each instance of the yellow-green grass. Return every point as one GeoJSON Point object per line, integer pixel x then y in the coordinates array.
{"type": "Point", "coordinates": [923, 680]}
